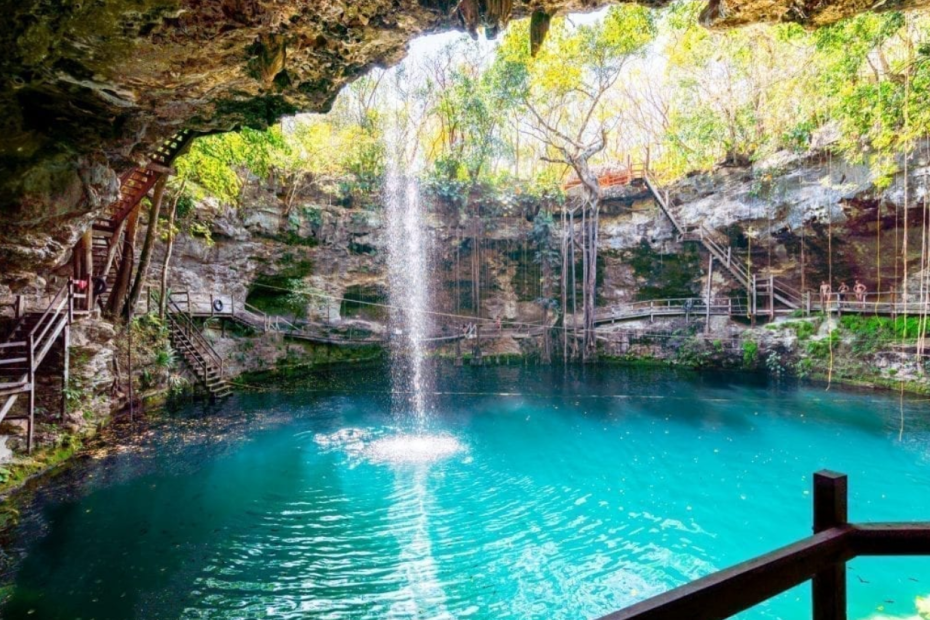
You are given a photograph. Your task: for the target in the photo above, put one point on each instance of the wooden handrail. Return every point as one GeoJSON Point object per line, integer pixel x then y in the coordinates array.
{"type": "Point", "coordinates": [821, 558]}
{"type": "Point", "coordinates": [61, 292]}
{"type": "Point", "coordinates": [193, 334]}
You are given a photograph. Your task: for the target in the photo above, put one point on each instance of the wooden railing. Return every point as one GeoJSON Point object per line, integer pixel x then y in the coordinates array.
{"type": "Point", "coordinates": [203, 305]}
{"type": "Point", "coordinates": [27, 355]}
{"type": "Point", "coordinates": [206, 355]}
{"type": "Point", "coordinates": [887, 303]}
{"type": "Point", "coordinates": [820, 558]}
{"type": "Point", "coordinates": [716, 306]}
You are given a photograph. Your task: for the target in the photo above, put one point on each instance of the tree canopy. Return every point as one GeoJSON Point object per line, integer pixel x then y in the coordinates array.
{"type": "Point", "coordinates": [491, 113]}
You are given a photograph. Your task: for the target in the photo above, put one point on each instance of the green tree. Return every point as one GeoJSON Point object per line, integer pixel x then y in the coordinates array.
{"type": "Point", "coordinates": [565, 90]}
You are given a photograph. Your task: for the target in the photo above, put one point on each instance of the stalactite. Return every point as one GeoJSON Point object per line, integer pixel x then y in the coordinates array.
{"type": "Point", "coordinates": [539, 28]}
{"type": "Point", "coordinates": [469, 15]}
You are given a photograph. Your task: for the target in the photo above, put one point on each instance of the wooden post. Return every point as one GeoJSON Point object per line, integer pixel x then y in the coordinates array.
{"type": "Point", "coordinates": [830, 510]}
{"type": "Point", "coordinates": [476, 352]}
{"type": "Point", "coordinates": [30, 423]}
{"type": "Point", "coordinates": [646, 167]}
{"type": "Point", "coordinates": [771, 296]}
{"type": "Point", "coordinates": [710, 277]}
{"type": "Point", "coordinates": [20, 306]}
{"type": "Point", "coordinates": [66, 345]}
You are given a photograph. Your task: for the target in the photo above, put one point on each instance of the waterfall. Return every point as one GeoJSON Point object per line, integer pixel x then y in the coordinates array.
{"type": "Point", "coordinates": [408, 278]}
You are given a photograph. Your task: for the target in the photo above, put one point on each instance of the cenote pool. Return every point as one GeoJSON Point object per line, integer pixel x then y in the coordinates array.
{"type": "Point", "coordinates": [576, 492]}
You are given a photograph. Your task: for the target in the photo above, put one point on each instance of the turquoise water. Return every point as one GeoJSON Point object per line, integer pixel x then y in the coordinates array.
{"type": "Point", "coordinates": [575, 493]}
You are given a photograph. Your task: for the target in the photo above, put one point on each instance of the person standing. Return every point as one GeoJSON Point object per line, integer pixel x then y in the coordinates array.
{"type": "Point", "coordinates": [842, 291]}
{"type": "Point", "coordinates": [825, 292]}
{"type": "Point", "coordinates": [859, 290]}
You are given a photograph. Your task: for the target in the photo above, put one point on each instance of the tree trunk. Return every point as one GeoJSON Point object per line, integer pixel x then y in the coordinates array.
{"type": "Point", "coordinates": [124, 275]}
{"type": "Point", "coordinates": [146, 255]}
{"type": "Point", "coordinates": [111, 250]}
{"type": "Point", "coordinates": [169, 246]}
{"type": "Point", "coordinates": [87, 248]}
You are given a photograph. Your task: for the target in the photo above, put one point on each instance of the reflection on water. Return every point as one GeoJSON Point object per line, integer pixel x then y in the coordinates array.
{"type": "Point", "coordinates": [563, 495]}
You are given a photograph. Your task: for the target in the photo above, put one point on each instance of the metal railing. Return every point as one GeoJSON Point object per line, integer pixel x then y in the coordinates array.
{"type": "Point", "coordinates": [820, 558]}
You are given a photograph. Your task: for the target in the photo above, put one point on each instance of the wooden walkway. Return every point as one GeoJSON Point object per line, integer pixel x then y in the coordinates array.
{"type": "Point", "coordinates": [208, 305]}
{"type": "Point", "coordinates": [651, 309]}
{"type": "Point", "coordinates": [225, 306]}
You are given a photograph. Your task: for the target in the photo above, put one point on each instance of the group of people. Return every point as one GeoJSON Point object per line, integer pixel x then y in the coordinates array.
{"type": "Point", "coordinates": [826, 292]}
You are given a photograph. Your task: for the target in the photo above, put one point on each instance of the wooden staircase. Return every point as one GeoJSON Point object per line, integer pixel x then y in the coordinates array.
{"type": "Point", "coordinates": [201, 358]}
{"type": "Point", "coordinates": [134, 185]}
{"type": "Point", "coordinates": [758, 288]}
{"type": "Point", "coordinates": [28, 344]}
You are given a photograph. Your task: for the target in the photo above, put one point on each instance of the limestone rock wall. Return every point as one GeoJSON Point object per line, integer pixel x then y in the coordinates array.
{"type": "Point", "coordinates": [799, 217]}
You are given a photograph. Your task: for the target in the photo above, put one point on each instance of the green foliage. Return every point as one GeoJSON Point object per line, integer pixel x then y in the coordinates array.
{"type": "Point", "coordinates": [870, 333]}
{"type": "Point", "coordinates": [804, 367]}
{"type": "Point", "coordinates": [508, 120]}
{"type": "Point", "coordinates": [820, 349]}
{"type": "Point", "coordinates": [285, 291]}
{"type": "Point", "coordinates": [803, 329]}
{"type": "Point", "coordinates": [750, 353]}
{"type": "Point", "coordinates": [164, 358]}
{"type": "Point", "coordinates": [693, 353]}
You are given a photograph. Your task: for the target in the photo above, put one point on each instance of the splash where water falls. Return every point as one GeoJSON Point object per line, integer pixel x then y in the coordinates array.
{"type": "Point", "coordinates": [409, 270]}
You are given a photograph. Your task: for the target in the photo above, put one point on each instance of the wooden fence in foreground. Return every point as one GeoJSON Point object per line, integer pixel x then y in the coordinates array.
{"type": "Point", "coordinates": [820, 559]}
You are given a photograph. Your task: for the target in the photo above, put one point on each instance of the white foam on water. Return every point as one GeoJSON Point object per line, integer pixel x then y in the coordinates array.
{"type": "Point", "coordinates": [398, 449]}
{"type": "Point", "coordinates": [401, 448]}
